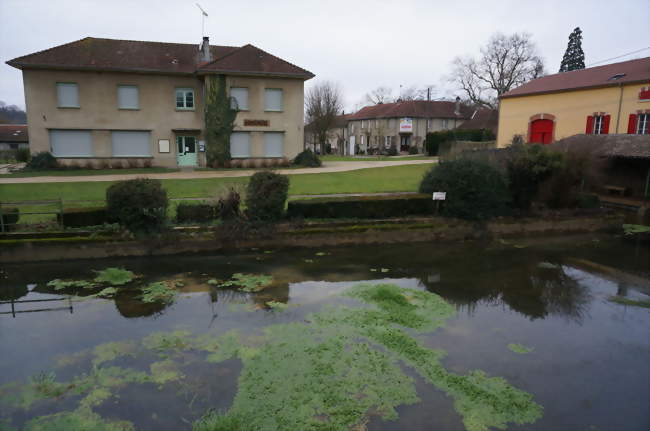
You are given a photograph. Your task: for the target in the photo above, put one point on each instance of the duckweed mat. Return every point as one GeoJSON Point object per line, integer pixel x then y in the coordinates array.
{"type": "Point", "coordinates": [333, 370]}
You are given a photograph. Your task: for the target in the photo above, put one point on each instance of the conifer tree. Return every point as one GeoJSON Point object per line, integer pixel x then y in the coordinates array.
{"type": "Point", "coordinates": [219, 120]}
{"type": "Point", "coordinates": [574, 56]}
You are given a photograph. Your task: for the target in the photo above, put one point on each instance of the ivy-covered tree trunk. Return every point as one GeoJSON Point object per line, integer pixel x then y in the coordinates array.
{"type": "Point", "coordinates": [219, 120]}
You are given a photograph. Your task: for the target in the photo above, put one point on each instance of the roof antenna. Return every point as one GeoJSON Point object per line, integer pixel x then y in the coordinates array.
{"type": "Point", "coordinates": [203, 15]}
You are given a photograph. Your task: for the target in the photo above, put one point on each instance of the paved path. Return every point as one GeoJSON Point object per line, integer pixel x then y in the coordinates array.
{"type": "Point", "coordinates": [327, 167]}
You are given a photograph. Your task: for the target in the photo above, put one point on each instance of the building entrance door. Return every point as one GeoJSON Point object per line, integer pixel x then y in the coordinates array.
{"type": "Point", "coordinates": [404, 142]}
{"type": "Point", "coordinates": [541, 132]}
{"type": "Point", "coordinates": [186, 151]}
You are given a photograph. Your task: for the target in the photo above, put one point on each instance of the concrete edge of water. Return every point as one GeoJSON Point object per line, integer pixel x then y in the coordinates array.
{"type": "Point", "coordinates": [435, 230]}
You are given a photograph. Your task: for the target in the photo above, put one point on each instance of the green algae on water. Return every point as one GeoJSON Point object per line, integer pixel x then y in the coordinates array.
{"type": "Point", "coordinates": [114, 276]}
{"type": "Point", "coordinates": [249, 282]}
{"type": "Point", "coordinates": [323, 375]}
{"type": "Point", "coordinates": [277, 306]}
{"type": "Point", "coordinates": [520, 348]}
{"type": "Point", "coordinates": [161, 291]}
{"type": "Point", "coordinates": [59, 284]}
{"type": "Point", "coordinates": [643, 303]}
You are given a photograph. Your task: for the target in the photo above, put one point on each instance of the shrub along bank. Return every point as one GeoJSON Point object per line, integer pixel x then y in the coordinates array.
{"type": "Point", "coordinates": [362, 207]}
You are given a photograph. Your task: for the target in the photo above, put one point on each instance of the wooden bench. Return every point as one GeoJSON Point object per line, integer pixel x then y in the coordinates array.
{"type": "Point", "coordinates": [616, 189]}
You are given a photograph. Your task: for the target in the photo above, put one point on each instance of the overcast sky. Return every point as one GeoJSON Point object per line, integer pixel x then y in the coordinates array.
{"type": "Point", "coordinates": [358, 44]}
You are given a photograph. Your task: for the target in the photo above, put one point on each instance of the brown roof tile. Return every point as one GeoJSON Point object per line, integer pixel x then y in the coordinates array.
{"type": "Point", "coordinates": [613, 146]}
{"type": "Point", "coordinates": [155, 57]}
{"type": "Point", "coordinates": [13, 133]}
{"type": "Point", "coordinates": [600, 76]}
{"type": "Point", "coordinates": [250, 59]}
{"type": "Point", "coordinates": [412, 108]}
{"type": "Point", "coordinates": [485, 119]}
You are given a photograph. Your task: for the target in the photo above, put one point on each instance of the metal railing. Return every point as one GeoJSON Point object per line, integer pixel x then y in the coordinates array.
{"type": "Point", "coordinates": [13, 303]}
{"type": "Point", "coordinates": [4, 215]}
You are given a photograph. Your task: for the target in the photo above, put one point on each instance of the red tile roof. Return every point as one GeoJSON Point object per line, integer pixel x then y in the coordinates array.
{"type": "Point", "coordinates": [13, 133]}
{"type": "Point", "coordinates": [412, 108]}
{"type": "Point", "coordinates": [633, 71]}
{"type": "Point", "coordinates": [250, 59]}
{"type": "Point", "coordinates": [482, 119]}
{"type": "Point", "coordinates": [154, 57]}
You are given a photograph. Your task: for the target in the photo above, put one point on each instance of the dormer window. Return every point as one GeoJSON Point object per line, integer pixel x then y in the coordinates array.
{"type": "Point", "coordinates": [617, 76]}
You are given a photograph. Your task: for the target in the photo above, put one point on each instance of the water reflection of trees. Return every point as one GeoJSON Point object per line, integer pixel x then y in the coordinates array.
{"type": "Point", "coordinates": [534, 291]}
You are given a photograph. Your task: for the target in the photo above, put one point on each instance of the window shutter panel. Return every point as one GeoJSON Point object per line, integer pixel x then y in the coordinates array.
{"type": "Point", "coordinates": [631, 124]}
{"type": "Point", "coordinates": [590, 125]}
{"type": "Point", "coordinates": [606, 124]}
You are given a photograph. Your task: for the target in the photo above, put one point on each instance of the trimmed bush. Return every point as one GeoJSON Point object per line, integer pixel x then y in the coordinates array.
{"type": "Point", "coordinates": [139, 205]}
{"type": "Point", "coordinates": [362, 207]}
{"type": "Point", "coordinates": [308, 159]}
{"type": "Point", "coordinates": [42, 161]}
{"type": "Point", "coordinates": [10, 217]}
{"type": "Point", "coordinates": [195, 212]}
{"type": "Point", "coordinates": [81, 217]}
{"type": "Point", "coordinates": [392, 151]}
{"type": "Point", "coordinates": [475, 191]}
{"type": "Point", "coordinates": [413, 150]}
{"type": "Point", "coordinates": [266, 195]}
{"type": "Point", "coordinates": [527, 166]}
{"type": "Point", "coordinates": [23, 155]}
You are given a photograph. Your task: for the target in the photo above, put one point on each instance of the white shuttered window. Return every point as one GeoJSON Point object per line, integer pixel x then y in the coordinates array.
{"type": "Point", "coordinates": [240, 144]}
{"type": "Point", "coordinates": [131, 143]}
{"type": "Point", "coordinates": [240, 96]}
{"type": "Point", "coordinates": [273, 144]}
{"type": "Point", "coordinates": [71, 143]}
{"type": "Point", "coordinates": [273, 99]}
{"type": "Point", "coordinates": [128, 97]}
{"type": "Point", "coordinates": [67, 94]}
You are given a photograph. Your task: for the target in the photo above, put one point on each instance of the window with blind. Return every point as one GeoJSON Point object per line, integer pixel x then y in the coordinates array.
{"type": "Point", "coordinates": [273, 144]}
{"type": "Point", "coordinates": [273, 99]}
{"type": "Point", "coordinates": [184, 98]}
{"type": "Point", "coordinates": [131, 143]}
{"type": "Point", "coordinates": [239, 98]}
{"type": "Point", "coordinates": [643, 124]}
{"type": "Point", "coordinates": [67, 94]}
{"type": "Point", "coordinates": [128, 97]}
{"type": "Point", "coordinates": [240, 144]}
{"type": "Point", "coordinates": [71, 143]}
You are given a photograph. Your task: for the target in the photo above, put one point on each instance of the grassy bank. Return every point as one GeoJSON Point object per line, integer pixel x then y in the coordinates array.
{"type": "Point", "coordinates": [373, 180]}
{"type": "Point", "coordinates": [87, 172]}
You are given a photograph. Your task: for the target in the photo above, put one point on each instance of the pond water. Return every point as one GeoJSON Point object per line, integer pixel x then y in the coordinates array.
{"type": "Point", "coordinates": [513, 335]}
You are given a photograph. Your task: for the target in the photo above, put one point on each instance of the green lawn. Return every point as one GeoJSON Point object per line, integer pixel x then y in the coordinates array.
{"type": "Point", "coordinates": [335, 158]}
{"type": "Point", "coordinates": [84, 172]}
{"type": "Point", "coordinates": [373, 180]}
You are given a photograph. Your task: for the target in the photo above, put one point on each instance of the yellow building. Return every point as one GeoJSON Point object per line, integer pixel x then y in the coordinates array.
{"type": "Point", "coordinates": [609, 99]}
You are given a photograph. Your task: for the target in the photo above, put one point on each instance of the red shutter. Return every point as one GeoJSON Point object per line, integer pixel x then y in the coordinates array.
{"type": "Point", "coordinates": [631, 124]}
{"type": "Point", "coordinates": [644, 95]}
{"type": "Point", "coordinates": [590, 125]}
{"type": "Point", "coordinates": [606, 124]}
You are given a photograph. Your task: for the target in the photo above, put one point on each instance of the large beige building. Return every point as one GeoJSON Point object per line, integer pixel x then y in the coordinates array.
{"type": "Point", "coordinates": [108, 101]}
{"type": "Point", "coordinates": [610, 99]}
{"type": "Point", "coordinates": [402, 124]}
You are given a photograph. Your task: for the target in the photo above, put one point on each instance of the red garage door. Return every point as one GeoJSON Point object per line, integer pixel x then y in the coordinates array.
{"type": "Point", "coordinates": [541, 132]}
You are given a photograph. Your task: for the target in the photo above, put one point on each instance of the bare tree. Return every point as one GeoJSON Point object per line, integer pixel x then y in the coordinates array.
{"type": "Point", "coordinates": [380, 95]}
{"type": "Point", "coordinates": [505, 62]}
{"type": "Point", "coordinates": [323, 102]}
{"type": "Point", "coordinates": [415, 93]}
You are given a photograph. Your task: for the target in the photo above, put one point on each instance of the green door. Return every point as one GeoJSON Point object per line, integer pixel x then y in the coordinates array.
{"type": "Point", "coordinates": [186, 151]}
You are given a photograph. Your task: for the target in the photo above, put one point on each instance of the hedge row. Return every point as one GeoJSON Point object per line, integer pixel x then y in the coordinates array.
{"type": "Point", "coordinates": [195, 213]}
{"type": "Point", "coordinates": [82, 217]}
{"type": "Point", "coordinates": [10, 217]}
{"type": "Point", "coordinates": [363, 207]}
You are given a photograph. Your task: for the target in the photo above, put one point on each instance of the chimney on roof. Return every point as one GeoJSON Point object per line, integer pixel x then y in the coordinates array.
{"type": "Point", "coordinates": [457, 108]}
{"type": "Point", "coordinates": [205, 55]}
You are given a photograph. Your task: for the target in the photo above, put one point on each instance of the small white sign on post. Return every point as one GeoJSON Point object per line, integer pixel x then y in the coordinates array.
{"type": "Point", "coordinates": [439, 196]}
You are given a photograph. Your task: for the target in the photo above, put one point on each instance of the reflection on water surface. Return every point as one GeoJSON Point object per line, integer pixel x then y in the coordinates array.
{"type": "Point", "coordinates": [162, 365]}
